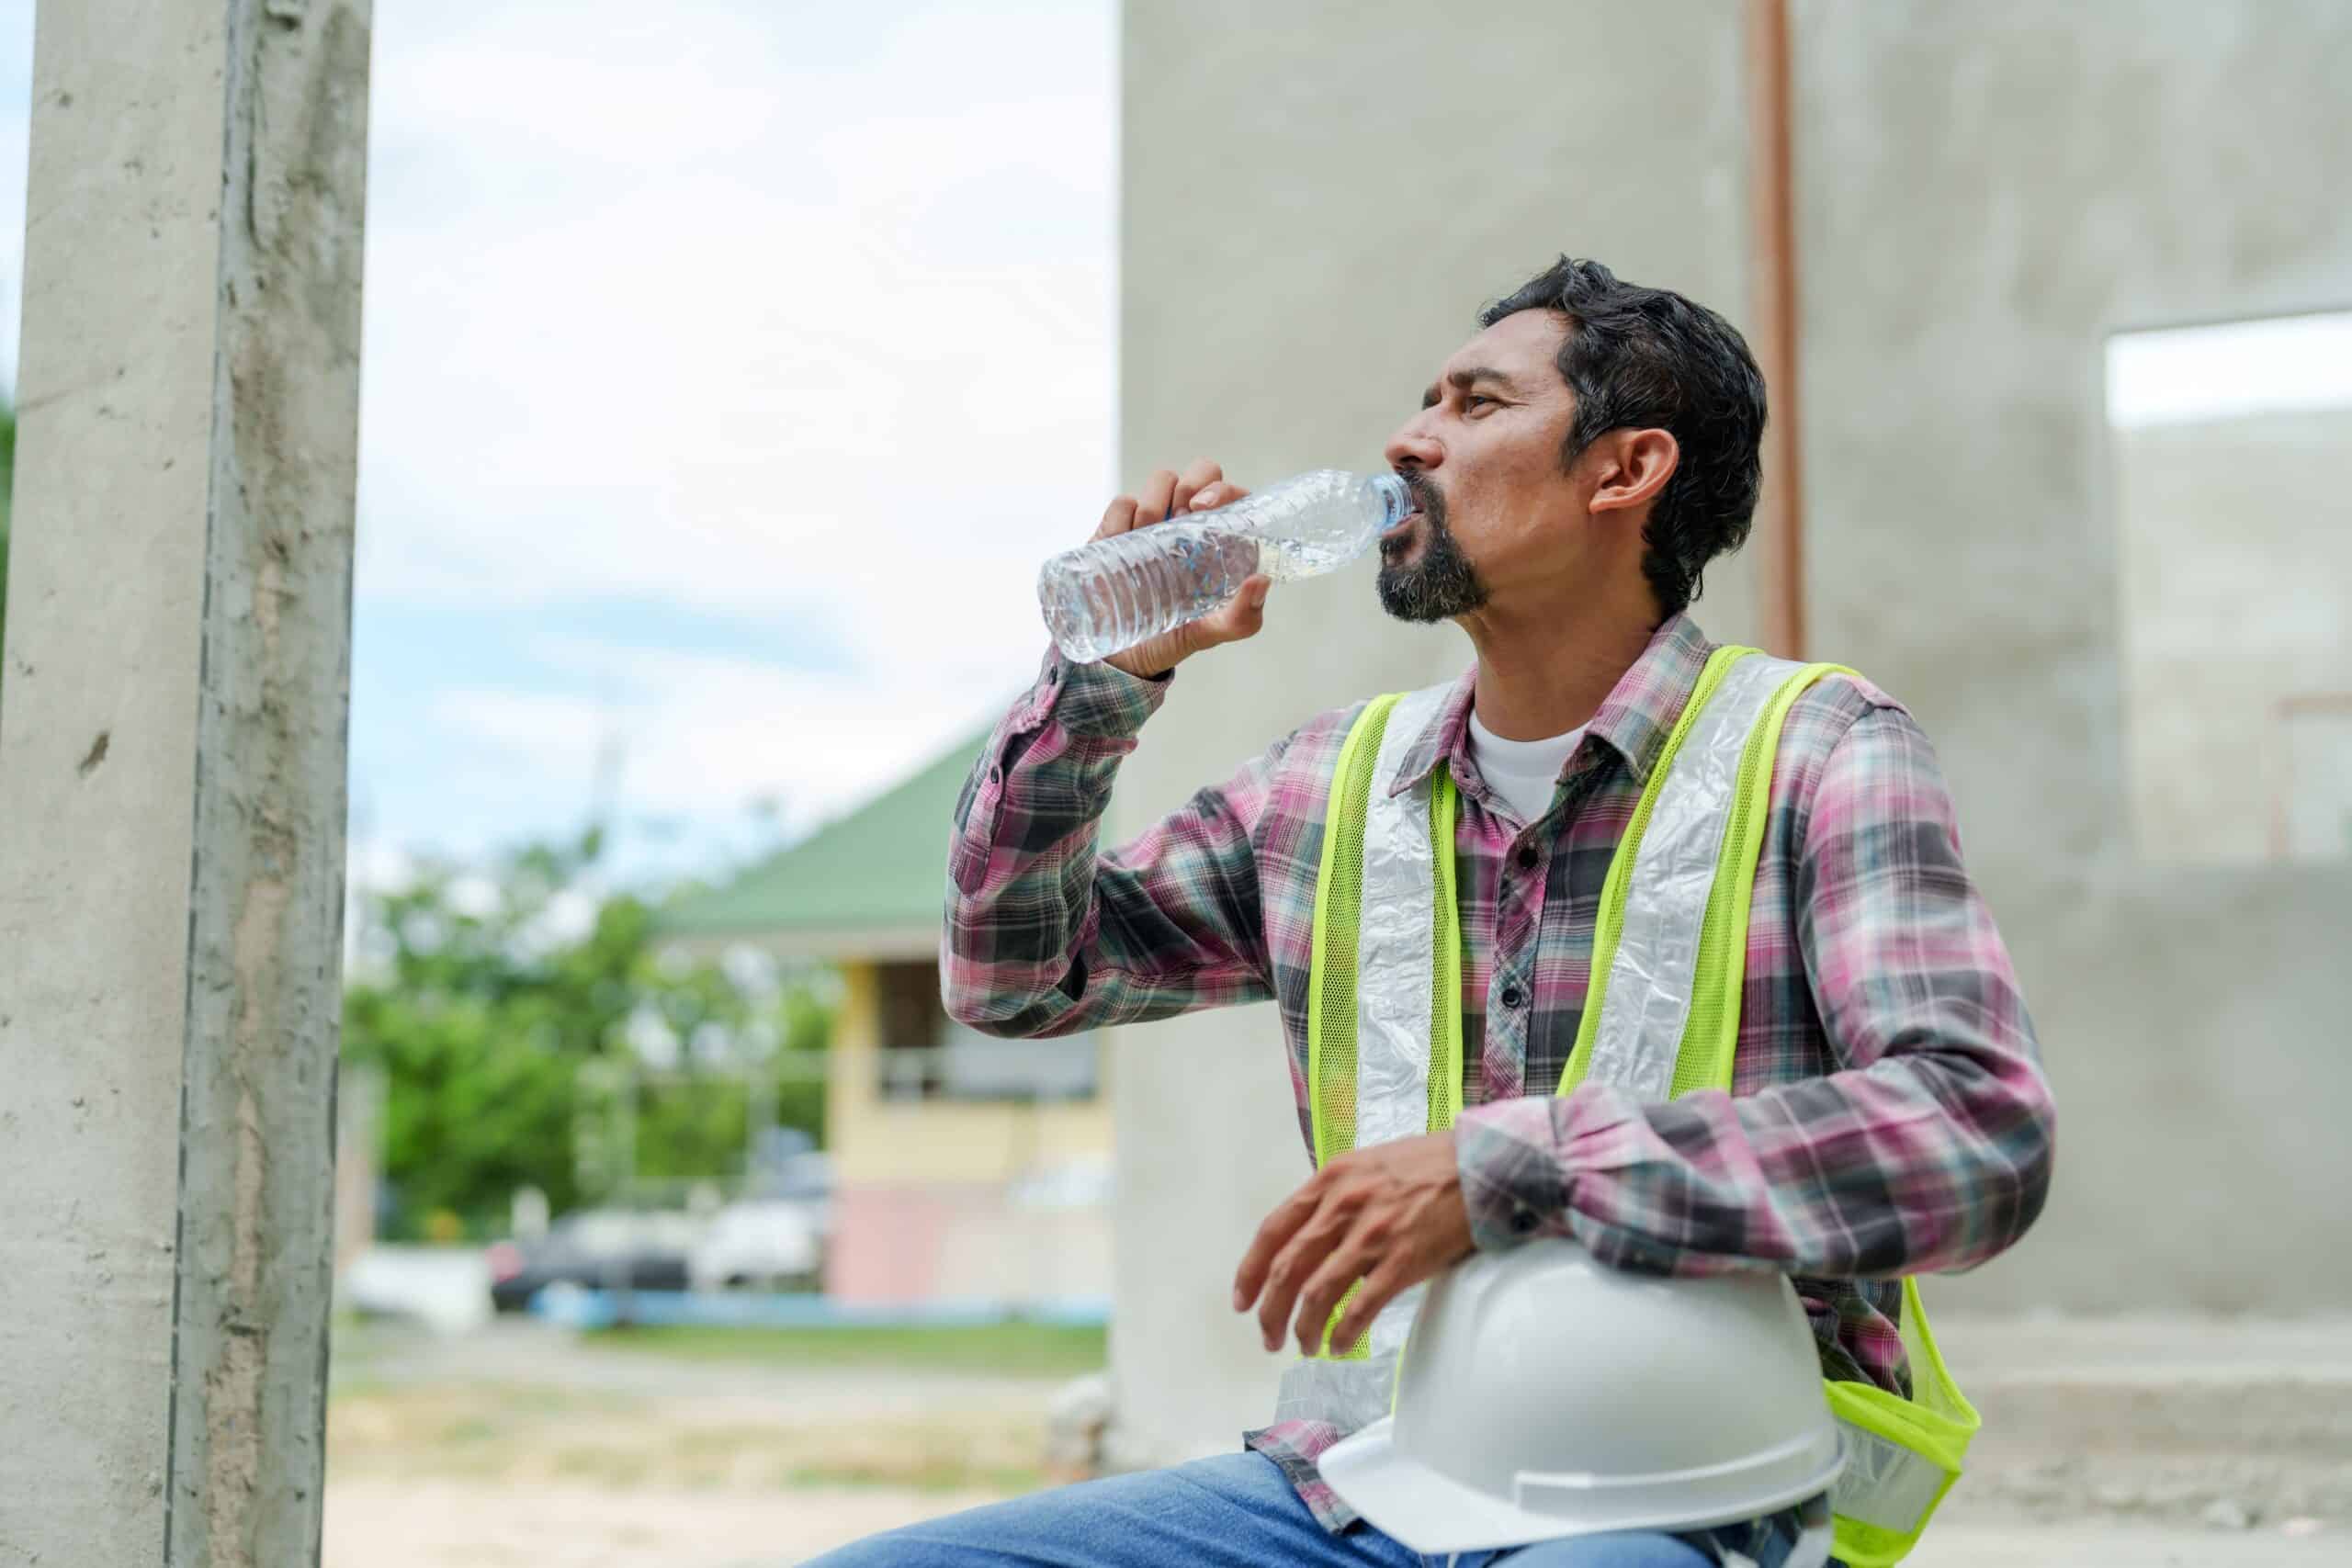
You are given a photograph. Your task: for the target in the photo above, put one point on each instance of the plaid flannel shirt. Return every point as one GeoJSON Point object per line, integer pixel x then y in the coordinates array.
{"type": "Point", "coordinates": [1888, 1115]}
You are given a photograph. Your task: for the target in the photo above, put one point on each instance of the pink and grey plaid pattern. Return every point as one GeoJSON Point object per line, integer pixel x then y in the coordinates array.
{"type": "Point", "coordinates": [1889, 1115]}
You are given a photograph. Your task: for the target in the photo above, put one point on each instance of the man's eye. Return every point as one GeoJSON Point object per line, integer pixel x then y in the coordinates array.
{"type": "Point", "coordinates": [1475, 398]}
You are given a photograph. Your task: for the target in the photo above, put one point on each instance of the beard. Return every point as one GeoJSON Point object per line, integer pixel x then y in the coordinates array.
{"type": "Point", "coordinates": [1441, 584]}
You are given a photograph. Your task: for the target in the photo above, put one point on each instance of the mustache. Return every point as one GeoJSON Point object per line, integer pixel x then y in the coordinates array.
{"type": "Point", "coordinates": [1427, 498]}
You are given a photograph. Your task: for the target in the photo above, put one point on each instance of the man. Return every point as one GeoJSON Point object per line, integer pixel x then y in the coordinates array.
{"type": "Point", "coordinates": [1576, 465]}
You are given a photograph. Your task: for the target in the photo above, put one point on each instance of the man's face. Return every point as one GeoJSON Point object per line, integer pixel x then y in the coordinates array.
{"type": "Point", "coordinates": [1483, 461]}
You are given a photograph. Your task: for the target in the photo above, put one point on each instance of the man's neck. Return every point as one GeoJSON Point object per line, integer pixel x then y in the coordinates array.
{"type": "Point", "coordinates": [1541, 674]}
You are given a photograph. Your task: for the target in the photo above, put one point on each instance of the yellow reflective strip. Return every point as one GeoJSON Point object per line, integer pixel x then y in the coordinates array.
{"type": "Point", "coordinates": [1338, 906]}
{"type": "Point", "coordinates": [1331, 982]}
{"type": "Point", "coordinates": [1445, 963]}
{"type": "Point", "coordinates": [1359, 1351]}
{"type": "Point", "coordinates": [1932, 1379]}
{"type": "Point", "coordinates": [1711, 1035]}
{"type": "Point", "coordinates": [1610, 926]}
{"type": "Point", "coordinates": [1860, 1545]}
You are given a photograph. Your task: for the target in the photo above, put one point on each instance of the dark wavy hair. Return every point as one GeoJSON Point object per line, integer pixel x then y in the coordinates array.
{"type": "Point", "coordinates": [1642, 358]}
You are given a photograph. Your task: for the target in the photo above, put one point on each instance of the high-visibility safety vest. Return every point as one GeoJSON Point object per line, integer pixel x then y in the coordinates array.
{"type": "Point", "coordinates": [1661, 1019]}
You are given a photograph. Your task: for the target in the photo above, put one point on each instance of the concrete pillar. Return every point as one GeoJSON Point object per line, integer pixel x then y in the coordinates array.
{"type": "Point", "coordinates": [172, 778]}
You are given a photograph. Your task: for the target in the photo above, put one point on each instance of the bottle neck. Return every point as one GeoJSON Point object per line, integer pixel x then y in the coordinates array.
{"type": "Point", "coordinates": [1395, 499]}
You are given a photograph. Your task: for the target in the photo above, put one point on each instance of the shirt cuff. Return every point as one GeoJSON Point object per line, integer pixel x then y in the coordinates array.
{"type": "Point", "coordinates": [1092, 700]}
{"type": "Point", "coordinates": [1514, 1183]}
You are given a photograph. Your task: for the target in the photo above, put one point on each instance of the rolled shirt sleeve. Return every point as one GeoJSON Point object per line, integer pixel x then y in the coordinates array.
{"type": "Point", "coordinates": [1043, 935]}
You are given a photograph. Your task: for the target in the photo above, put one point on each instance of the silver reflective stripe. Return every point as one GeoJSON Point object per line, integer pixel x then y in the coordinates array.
{"type": "Point", "coordinates": [1648, 1000]}
{"type": "Point", "coordinates": [1352, 1396]}
{"type": "Point", "coordinates": [1885, 1483]}
{"type": "Point", "coordinates": [1395, 931]}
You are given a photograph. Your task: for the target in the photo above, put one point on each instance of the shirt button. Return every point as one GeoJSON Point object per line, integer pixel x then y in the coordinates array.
{"type": "Point", "coordinates": [1513, 995]}
{"type": "Point", "coordinates": [1527, 858]}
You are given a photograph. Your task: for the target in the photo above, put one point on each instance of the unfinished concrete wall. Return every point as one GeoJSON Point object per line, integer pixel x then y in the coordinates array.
{"type": "Point", "coordinates": [2234, 541]}
{"type": "Point", "coordinates": [1986, 193]}
{"type": "Point", "coordinates": [1316, 200]}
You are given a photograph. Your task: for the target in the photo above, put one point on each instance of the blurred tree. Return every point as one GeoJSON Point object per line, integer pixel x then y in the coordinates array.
{"type": "Point", "coordinates": [481, 998]}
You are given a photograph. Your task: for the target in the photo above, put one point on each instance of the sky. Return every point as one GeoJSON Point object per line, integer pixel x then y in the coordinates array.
{"type": "Point", "coordinates": [729, 367]}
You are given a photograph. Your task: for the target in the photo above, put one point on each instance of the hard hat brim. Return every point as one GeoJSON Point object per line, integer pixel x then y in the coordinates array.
{"type": "Point", "coordinates": [1432, 1513]}
{"type": "Point", "coordinates": [1429, 1512]}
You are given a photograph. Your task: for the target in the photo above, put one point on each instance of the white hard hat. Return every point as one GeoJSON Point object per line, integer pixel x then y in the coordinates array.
{"type": "Point", "coordinates": [1545, 1396]}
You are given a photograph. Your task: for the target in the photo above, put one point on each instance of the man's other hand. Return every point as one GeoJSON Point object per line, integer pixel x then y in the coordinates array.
{"type": "Point", "coordinates": [1391, 1216]}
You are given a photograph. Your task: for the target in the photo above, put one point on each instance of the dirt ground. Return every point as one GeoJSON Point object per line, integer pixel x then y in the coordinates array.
{"type": "Point", "coordinates": [2105, 1446]}
{"type": "Point", "coordinates": [516, 1446]}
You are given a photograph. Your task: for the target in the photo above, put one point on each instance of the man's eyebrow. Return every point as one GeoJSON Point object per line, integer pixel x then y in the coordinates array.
{"type": "Point", "coordinates": [1463, 380]}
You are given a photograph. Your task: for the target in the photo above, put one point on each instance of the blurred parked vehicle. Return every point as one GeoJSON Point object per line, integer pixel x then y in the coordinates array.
{"type": "Point", "coordinates": [602, 1248]}
{"type": "Point", "coordinates": [806, 1180]}
{"type": "Point", "coordinates": [772, 1243]}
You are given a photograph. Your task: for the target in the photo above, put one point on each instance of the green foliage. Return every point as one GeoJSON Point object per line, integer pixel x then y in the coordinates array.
{"type": "Point", "coordinates": [510, 1014]}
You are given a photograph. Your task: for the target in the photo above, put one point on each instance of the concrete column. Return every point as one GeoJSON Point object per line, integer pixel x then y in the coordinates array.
{"type": "Point", "coordinates": [172, 778]}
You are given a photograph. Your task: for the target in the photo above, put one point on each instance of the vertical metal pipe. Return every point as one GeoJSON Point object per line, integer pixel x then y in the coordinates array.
{"type": "Point", "coordinates": [1780, 520]}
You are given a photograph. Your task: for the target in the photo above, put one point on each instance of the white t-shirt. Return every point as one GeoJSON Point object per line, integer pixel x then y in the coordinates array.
{"type": "Point", "coordinates": [1525, 772]}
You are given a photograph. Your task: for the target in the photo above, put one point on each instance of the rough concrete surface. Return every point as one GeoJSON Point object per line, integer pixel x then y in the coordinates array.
{"type": "Point", "coordinates": [265, 900]}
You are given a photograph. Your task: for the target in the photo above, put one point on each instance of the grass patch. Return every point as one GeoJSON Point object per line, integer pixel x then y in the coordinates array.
{"type": "Point", "coordinates": [1008, 1349]}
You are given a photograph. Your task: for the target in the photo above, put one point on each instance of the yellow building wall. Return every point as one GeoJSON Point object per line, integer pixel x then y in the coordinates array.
{"type": "Point", "coordinates": [879, 1141]}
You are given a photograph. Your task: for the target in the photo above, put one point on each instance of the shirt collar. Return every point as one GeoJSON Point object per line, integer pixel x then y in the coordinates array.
{"type": "Point", "coordinates": [1639, 713]}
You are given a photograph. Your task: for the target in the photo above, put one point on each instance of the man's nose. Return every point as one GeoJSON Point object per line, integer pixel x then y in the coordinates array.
{"type": "Point", "coordinates": [1412, 446]}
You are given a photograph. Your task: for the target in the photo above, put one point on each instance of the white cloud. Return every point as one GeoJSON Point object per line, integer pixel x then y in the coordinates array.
{"type": "Point", "coordinates": [737, 309]}
{"type": "Point", "coordinates": [703, 734]}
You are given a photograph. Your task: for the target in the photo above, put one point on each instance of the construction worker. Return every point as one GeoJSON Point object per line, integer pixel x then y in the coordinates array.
{"type": "Point", "coordinates": [1661, 948]}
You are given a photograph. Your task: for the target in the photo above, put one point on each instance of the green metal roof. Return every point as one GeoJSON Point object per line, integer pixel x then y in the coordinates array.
{"type": "Point", "coordinates": [881, 872]}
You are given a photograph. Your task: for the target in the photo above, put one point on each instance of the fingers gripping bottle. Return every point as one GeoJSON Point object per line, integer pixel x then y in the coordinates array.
{"type": "Point", "coordinates": [1107, 596]}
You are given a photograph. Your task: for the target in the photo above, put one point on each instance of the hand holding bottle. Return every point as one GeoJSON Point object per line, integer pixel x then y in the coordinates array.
{"type": "Point", "coordinates": [1201, 487]}
{"type": "Point", "coordinates": [1143, 600]}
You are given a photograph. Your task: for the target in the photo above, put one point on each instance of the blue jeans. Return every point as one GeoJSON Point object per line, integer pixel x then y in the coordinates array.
{"type": "Point", "coordinates": [1239, 1511]}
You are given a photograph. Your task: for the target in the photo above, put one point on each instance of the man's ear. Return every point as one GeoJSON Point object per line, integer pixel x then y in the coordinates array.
{"type": "Point", "coordinates": [1631, 466]}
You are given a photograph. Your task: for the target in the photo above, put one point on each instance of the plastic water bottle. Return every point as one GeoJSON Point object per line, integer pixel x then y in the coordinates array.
{"type": "Point", "coordinates": [1106, 597]}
